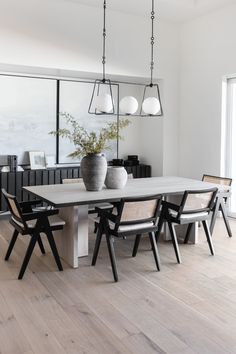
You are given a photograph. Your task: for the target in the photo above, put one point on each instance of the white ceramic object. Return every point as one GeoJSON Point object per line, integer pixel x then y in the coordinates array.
{"type": "Point", "coordinates": [5, 169]}
{"type": "Point", "coordinates": [103, 103]}
{"type": "Point", "coordinates": [151, 105]}
{"type": "Point", "coordinates": [116, 177]}
{"type": "Point", "coordinates": [128, 105]}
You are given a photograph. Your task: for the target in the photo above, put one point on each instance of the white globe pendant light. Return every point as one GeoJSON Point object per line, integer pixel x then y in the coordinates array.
{"type": "Point", "coordinates": [151, 106]}
{"type": "Point", "coordinates": [103, 103]}
{"type": "Point", "coordinates": [128, 105]}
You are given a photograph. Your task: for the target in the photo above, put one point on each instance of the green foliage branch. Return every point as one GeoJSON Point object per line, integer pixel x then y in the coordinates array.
{"type": "Point", "coordinates": [85, 142]}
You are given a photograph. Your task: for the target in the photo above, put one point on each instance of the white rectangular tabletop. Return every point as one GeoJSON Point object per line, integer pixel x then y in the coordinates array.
{"type": "Point", "coordinates": [63, 195]}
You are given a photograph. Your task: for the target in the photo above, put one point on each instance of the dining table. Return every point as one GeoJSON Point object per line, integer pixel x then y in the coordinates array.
{"type": "Point", "coordinates": [72, 200]}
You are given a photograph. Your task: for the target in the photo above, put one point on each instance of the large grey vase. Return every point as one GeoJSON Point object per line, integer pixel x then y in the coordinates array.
{"type": "Point", "coordinates": [116, 177]}
{"type": "Point", "coordinates": [93, 169]}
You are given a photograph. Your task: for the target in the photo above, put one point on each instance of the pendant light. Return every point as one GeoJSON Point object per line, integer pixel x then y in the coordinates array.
{"type": "Point", "coordinates": [101, 102]}
{"type": "Point", "coordinates": [128, 105]}
{"type": "Point", "coordinates": [151, 103]}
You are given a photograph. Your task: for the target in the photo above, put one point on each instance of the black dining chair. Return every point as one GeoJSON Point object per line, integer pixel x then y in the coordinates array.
{"type": "Point", "coordinates": [132, 216]}
{"type": "Point", "coordinates": [195, 206]}
{"type": "Point", "coordinates": [221, 200]}
{"type": "Point", "coordinates": [26, 221]}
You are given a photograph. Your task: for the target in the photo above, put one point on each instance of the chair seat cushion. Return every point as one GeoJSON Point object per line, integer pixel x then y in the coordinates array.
{"type": "Point", "coordinates": [54, 220]}
{"type": "Point", "coordinates": [132, 227]}
{"type": "Point", "coordinates": [189, 216]}
{"type": "Point", "coordinates": [125, 228]}
{"type": "Point", "coordinates": [135, 227]}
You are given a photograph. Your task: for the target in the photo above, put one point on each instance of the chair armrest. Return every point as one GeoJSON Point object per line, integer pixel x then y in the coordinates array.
{"type": "Point", "coordinates": [40, 214]}
{"type": "Point", "coordinates": [27, 206]}
{"type": "Point", "coordinates": [106, 213]}
{"type": "Point", "coordinates": [170, 205]}
{"type": "Point", "coordinates": [30, 202]}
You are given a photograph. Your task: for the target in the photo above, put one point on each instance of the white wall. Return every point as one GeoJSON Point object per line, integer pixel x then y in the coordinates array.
{"type": "Point", "coordinates": [64, 35]}
{"type": "Point", "coordinates": [208, 53]}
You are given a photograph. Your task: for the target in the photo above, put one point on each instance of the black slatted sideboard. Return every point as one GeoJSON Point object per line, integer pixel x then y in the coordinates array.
{"type": "Point", "coordinates": [14, 181]}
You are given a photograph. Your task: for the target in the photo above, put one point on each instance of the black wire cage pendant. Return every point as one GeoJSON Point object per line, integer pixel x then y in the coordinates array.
{"type": "Point", "coordinates": [102, 100]}
{"type": "Point", "coordinates": [151, 104]}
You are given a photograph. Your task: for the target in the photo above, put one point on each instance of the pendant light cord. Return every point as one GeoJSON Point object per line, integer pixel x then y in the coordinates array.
{"type": "Point", "coordinates": [104, 41]}
{"type": "Point", "coordinates": [152, 43]}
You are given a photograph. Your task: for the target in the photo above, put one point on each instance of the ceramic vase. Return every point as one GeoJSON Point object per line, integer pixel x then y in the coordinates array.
{"type": "Point", "coordinates": [93, 169]}
{"type": "Point", "coordinates": [116, 177]}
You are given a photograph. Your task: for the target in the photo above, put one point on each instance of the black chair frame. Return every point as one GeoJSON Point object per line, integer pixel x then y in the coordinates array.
{"type": "Point", "coordinates": [21, 213]}
{"type": "Point", "coordinates": [166, 216]}
{"type": "Point", "coordinates": [105, 229]}
{"type": "Point", "coordinates": [220, 205]}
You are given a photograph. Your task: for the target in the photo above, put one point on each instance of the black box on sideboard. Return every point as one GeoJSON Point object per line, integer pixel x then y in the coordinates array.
{"type": "Point", "coordinates": [131, 161]}
{"type": "Point", "coordinates": [12, 162]}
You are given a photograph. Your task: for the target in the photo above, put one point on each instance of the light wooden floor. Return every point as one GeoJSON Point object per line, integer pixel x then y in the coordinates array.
{"type": "Point", "coordinates": [187, 308]}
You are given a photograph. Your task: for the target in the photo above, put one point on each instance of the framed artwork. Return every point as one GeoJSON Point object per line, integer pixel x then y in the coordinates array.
{"type": "Point", "coordinates": [37, 160]}
{"type": "Point", "coordinates": [50, 161]}
{"type": "Point", "coordinates": [27, 115]}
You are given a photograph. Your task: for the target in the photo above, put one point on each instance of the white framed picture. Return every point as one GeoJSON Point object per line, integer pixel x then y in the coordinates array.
{"type": "Point", "coordinates": [37, 160]}
{"type": "Point", "coordinates": [50, 161]}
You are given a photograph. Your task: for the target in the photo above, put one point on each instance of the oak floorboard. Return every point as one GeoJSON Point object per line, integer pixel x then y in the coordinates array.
{"type": "Point", "coordinates": [184, 309]}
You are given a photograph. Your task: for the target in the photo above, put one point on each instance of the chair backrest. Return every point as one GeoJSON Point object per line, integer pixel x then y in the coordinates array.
{"type": "Point", "coordinates": [198, 201]}
{"type": "Point", "coordinates": [15, 209]}
{"type": "Point", "coordinates": [72, 180]}
{"type": "Point", "coordinates": [138, 210]}
{"type": "Point", "coordinates": [217, 180]}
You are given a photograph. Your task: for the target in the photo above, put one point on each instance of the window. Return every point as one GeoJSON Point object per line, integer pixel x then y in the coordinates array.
{"type": "Point", "coordinates": [229, 138]}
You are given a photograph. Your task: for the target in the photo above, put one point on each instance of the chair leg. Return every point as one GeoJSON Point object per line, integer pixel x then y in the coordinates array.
{"type": "Point", "coordinates": [11, 245]}
{"type": "Point", "coordinates": [41, 246]}
{"type": "Point", "coordinates": [208, 236]}
{"type": "Point", "coordinates": [224, 213]}
{"type": "Point", "coordinates": [95, 228]}
{"type": "Point", "coordinates": [54, 248]}
{"type": "Point", "coordinates": [111, 251]}
{"type": "Point", "coordinates": [154, 249]}
{"type": "Point", "coordinates": [187, 237]}
{"type": "Point", "coordinates": [136, 245]}
{"type": "Point", "coordinates": [214, 215]}
{"type": "Point", "coordinates": [97, 245]}
{"type": "Point", "coordinates": [28, 254]}
{"type": "Point", "coordinates": [174, 241]}
{"type": "Point", "coordinates": [160, 225]}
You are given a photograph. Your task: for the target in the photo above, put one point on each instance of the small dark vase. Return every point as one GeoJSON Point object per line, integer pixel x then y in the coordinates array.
{"type": "Point", "coordinates": [93, 171]}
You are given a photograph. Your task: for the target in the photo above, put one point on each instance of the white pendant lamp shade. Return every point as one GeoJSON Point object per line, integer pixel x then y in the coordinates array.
{"type": "Point", "coordinates": [151, 106]}
{"type": "Point", "coordinates": [103, 103]}
{"type": "Point", "coordinates": [128, 105]}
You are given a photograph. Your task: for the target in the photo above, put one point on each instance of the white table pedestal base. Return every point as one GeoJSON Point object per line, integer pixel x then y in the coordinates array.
{"type": "Point", "coordinates": [72, 241]}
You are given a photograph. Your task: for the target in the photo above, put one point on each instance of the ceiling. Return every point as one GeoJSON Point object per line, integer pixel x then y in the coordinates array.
{"type": "Point", "coordinates": [172, 10]}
